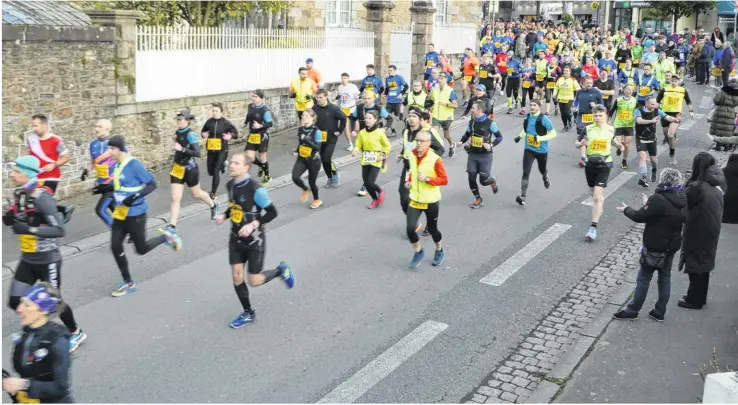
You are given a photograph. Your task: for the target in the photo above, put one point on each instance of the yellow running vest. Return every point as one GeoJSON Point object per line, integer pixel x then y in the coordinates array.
{"type": "Point", "coordinates": [420, 191]}
{"type": "Point", "coordinates": [440, 112]}
{"type": "Point", "coordinates": [673, 99]}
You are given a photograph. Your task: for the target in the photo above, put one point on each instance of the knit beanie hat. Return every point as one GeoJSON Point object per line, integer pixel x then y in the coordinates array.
{"type": "Point", "coordinates": [28, 165]}
{"type": "Point", "coordinates": [670, 177]}
{"type": "Point", "coordinates": [118, 142]}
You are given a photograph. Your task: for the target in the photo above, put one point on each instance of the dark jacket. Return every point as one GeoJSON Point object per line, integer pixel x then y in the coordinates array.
{"type": "Point", "coordinates": [664, 213]}
{"type": "Point", "coordinates": [730, 213]}
{"type": "Point", "coordinates": [726, 106]}
{"type": "Point", "coordinates": [704, 216]}
{"type": "Point", "coordinates": [726, 61]}
{"type": "Point", "coordinates": [708, 52]}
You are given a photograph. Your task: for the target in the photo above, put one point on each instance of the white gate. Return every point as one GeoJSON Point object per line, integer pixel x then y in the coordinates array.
{"type": "Point", "coordinates": [401, 52]}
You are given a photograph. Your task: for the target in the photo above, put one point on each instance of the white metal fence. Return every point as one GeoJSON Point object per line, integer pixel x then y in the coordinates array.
{"type": "Point", "coordinates": [174, 62]}
{"type": "Point", "coordinates": [401, 50]}
{"type": "Point", "coordinates": [453, 38]}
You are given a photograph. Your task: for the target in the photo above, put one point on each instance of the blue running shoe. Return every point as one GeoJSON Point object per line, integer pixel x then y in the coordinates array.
{"type": "Point", "coordinates": [173, 240]}
{"type": "Point", "coordinates": [335, 179]}
{"type": "Point", "coordinates": [287, 275]}
{"type": "Point", "coordinates": [244, 319]}
{"type": "Point", "coordinates": [124, 289]}
{"type": "Point", "coordinates": [591, 234]}
{"type": "Point", "coordinates": [76, 339]}
{"type": "Point", "coordinates": [438, 258]}
{"type": "Point", "coordinates": [417, 258]}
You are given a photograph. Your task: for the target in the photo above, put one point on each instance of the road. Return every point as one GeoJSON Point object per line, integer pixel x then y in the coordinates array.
{"type": "Point", "coordinates": [359, 326]}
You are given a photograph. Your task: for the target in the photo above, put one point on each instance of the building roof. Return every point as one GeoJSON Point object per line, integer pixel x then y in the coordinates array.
{"type": "Point", "coordinates": [53, 13]}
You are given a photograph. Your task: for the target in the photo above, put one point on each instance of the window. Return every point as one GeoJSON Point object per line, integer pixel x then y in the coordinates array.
{"type": "Point", "coordinates": [338, 13]}
{"type": "Point", "coordinates": [441, 7]}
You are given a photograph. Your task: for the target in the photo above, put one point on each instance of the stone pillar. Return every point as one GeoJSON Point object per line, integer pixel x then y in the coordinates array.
{"type": "Point", "coordinates": [124, 22]}
{"type": "Point", "coordinates": [379, 20]}
{"type": "Point", "coordinates": [422, 13]}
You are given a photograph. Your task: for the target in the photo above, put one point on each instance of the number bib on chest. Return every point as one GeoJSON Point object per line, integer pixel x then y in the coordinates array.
{"type": "Point", "coordinates": [644, 91]}
{"type": "Point", "coordinates": [540, 77]}
{"type": "Point", "coordinates": [621, 66]}
{"type": "Point", "coordinates": [599, 145]}
{"type": "Point", "coordinates": [671, 101]}
{"type": "Point", "coordinates": [636, 62]}
{"type": "Point", "coordinates": [418, 206]}
{"type": "Point", "coordinates": [370, 157]}
{"type": "Point", "coordinates": [533, 142]}
{"type": "Point", "coordinates": [526, 84]}
{"type": "Point", "coordinates": [587, 118]}
{"type": "Point", "coordinates": [120, 212]}
{"type": "Point", "coordinates": [254, 139]}
{"type": "Point", "coordinates": [605, 96]}
{"type": "Point", "coordinates": [429, 63]}
{"type": "Point", "coordinates": [510, 71]}
{"type": "Point", "coordinates": [236, 214]}
{"type": "Point", "coordinates": [346, 110]}
{"type": "Point", "coordinates": [102, 171]}
{"type": "Point", "coordinates": [550, 85]}
{"type": "Point", "coordinates": [178, 171]}
{"type": "Point", "coordinates": [477, 141]}
{"type": "Point", "coordinates": [23, 398]}
{"type": "Point", "coordinates": [482, 74]}
{"type": "Point", "coordinates": [468, 78]}
{"type": "Point", "coordinates": [717, 72]}
{"type": "Point", "coordinates": [304, 151]}
{"type": "Point", "coordinates": [215, 144]}
{"type": "Point", "coordinates": [323, 136]}
{"type": "Point", "coordinates": [625, 115]}
{"type": "Point", "coordinates": [28, 243]}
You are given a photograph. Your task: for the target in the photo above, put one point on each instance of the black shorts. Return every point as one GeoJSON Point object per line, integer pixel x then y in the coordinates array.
{"type": "Point", "coordinates": [597, 175]}
{"type": "Point", "coordinates": [649, 147]}
{"type": "Point", "coordinates": [261, 147]}
{"type": "Point", "coordinates": [540, 85]}
{"type": "Point", "coordinates": [51, 184]}
{"type": "Point", "coordinates": [191, 177]}
{"type": "Point", "coordinates": [29, 273]}
{"type": "Point", "coordinates": [240, 254]}
{"type": "Point", "coordinates": [443, 124]}
{"type": "Point", "coordinates": [393, 108]}
{"type": "Point", "coordinates": [625, 131]}
{"type": "Point", "coordinates": [664, 122]}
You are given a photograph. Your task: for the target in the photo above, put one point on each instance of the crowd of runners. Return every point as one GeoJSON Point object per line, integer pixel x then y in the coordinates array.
{"type": "Point", "coordinates": [608, 87]}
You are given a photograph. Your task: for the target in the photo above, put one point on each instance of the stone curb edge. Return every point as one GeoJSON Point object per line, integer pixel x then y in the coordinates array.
{"type": "Point", "coordinates": [99, 240]}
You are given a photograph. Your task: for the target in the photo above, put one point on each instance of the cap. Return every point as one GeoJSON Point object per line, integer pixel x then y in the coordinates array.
{"type": "Point", "coordinates": [481, 87]}
{"type": "Point", "coordinates": [259, 93]}
{"type": "Point", "coordinates": [185, 114]}
{"type": "Point", "coordinates": [309, 60]}
{"type": "Point", "coordinates": [39, 296]}
{"type": "Point", "coordinates": [119, 142]}
{"type": "Point", "coordinates": [28, 165]}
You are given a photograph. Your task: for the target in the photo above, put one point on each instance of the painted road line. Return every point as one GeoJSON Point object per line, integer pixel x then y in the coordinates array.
{"type": "Point", "coordinates": [689, 124]}
{"type": "Point", "coordinates": [524, 255]}
{"type": "Point", "coordinates": [706, 102]}
{"type": "Point", "coordinates": [361, 382]}
{"type": "Point", "coordinates": [615, 184]}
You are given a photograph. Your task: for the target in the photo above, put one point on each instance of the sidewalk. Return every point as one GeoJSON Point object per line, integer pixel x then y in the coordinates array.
{"type": "Point", "coordinates": [644, 361]}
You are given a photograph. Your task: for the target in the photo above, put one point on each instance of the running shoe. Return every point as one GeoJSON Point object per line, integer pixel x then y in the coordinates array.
{"type": "Point", "coordinates": [546, 181]}
{"type": "Point", "coordinates": [124, 289]}
{"type": "Point", "coordinates": [287, 275]}
{"type": "Point", "coordinates": [582, 162]}
{"type": "Point", "coordinates": [244, 319]}
{"type": "Point", "coordinates": [478, 203]}
{"type": "Point", "coordinates": [438, 258]}
{"type": "Point", "coordinates": [509, 110]}
{"type": "Point", "coordinates": [266, 180]}
{"type": "Point", "coordinates": [452, 150]}
{"type": "Point", "coordinates": [495, 189]}
{"type": "Point", "coordinates": [673, 161]}
{"type": "Point", "coordinates": [214, 210]}
{"type": "Point", "coordinates": [374, 204]}
{"type": "Point", "coordinates": [466, 102]}
{"type": "Point", "coordinates": [618, 152]}
{"type": "Point", "coordinates": [591, 234]}
{"type": "Point", "coordinates": [335, 179]}
{"type": "Point", "coordinates": [173, 240]}
{"type": "Point", "coordinates": [380, 197]}
{"type": "Point", "coordinates": [393, 133]}
{"type": "Point", "coordinates": [350, 148]}
{"type": "Point", "coordinates": [522, 111]}
{"type": "Point", "coordinates": [520, 200]}
{"type": "Point", "coordinates": [653, 175]}
{"type": "Point", "coordinates": [556, 111]}
{"type": "Point", "coordinates": [76, 339]}
{"type": "Point", "coordinates": [624, 164]}
{"type": "Point", "coordinates": [316, 204]}
{"type": "Point", "coordinates": [304, 196]}
{"type": "Point", "coordinates": [329, 182]}
{"type": "Point", "coordinates": [642, 182]}
{"type": "Point", "coordinates": [362, 192]}
{"type": "Point", "coordinates": [261, 172]}
{"type": "Point", "coordinates": [417, 258]}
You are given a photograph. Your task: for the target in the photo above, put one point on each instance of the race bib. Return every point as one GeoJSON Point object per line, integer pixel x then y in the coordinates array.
{"type": "Point", "coordinates": [625, 115]}
{"type": "Point", "coordinates": [468, 78]}
{"type": "Point", "coordinates": [605, 96]}
{"type": "Point", "coordinates": [497, 44]}
{"type": "Point", "coordinates": [636, 61]}
{"type": "Point", "coordinates": [483, 74]}
{"type": "Point", "coordinates": [540, 77]}
{"type": "Point", "coordinates": [236, 214]}
{"type": "Point", "coordinates": [587, 118]}
{"type": "Point", "coordinates": [672, 101]}
{"type": "Point", "coordinates": [346, 111]}
{"type": "Point", "coordinates": [717, 72]}
{"type": "Point", "coordinates": [304, 151]}
{"type": "Point", "coordinates": [392, 85]}
{"type": "Point", "coordinates": [599, 145]}
{"type": "Point", "coordinates": [409, 146]}
{"type": "Point", "coordinates": [644, 91]}
{"type": "Point", "coordinates": [510, 71]}
{"type": "Point", "coordinates": [533, 142]}
{"type": "Point", "coordinates": [369, 86]}
{"type": "Point", "coordinates": [370, 157]}
{"type": "Point", "coordinates": [429, 63]}
{"type": "Point", "coordinates": [178, 171]}
{"type": "Point", "coordinates": [323, 136]}
{"type": "Point", "coordinates": [418, 206]}
{"type": "Point", "coordinates": [550, 85]}
{"type": "Point", "coordinates": [215, 144]}
{"type": "Point", "coordinates": [621, 66]}
{"type": "Point", "coordinates": [102, 171]}
{"type": "Point", "coordinates": [23, 398]}
{"type": "Point", "coordinates": [477, 141]}
{"type": "Point", "coordinates": [28, 243]}
{"type": "Point", "coordinates": [120, 212]}
{"type": "Point", "coordinates": [254, 139]}
{"type": "Point", "coordinates": [526, 84]}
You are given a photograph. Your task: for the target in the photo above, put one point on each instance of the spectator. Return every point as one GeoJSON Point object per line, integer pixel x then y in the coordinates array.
{"type": "Point", "coordinates": [730, 171]}
{"type": "Point", "coordinates": [663, 213]}
{"type": "Point", "coordinates": [702, 229]}
{"type": "Point", "coordinates": [716, 34]}
{"type": "Point", "coordinates": [727, 61]}
{"type": "Point", "coordinates": [717, 62]}
{"type": "Point", "coordinates": [639, 32]}
{"type": "Point", "coordinates": [723, 118]}
{"type": "Point", "coordinates": [703, 63]}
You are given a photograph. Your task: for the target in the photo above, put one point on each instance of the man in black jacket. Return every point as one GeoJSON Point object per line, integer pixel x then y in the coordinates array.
{"type": "Point", "coordinates": [663, 213]}
{"type": "Point", "coordinates": [218, 131]}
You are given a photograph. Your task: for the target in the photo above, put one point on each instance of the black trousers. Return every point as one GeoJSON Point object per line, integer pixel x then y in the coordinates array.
{"type": "Point", "coordinates": [312, 166]}
{"type": "Point", "coordinates": [136, 227]}
{"type": "Point", "coordinates": [703, 72]}
{"type": "Point", "coordinates": [326, 154]}
{"type": "Point", "coordinates": [404, 192]}
{"type": "Point", "coordinates": [369, 174]}
{"type": "Point", "coordinates": [697, 291]}
{"type": "Point", "coordinates": [528, 158]}
{"type": "Point", "coordinates": [566, 113]}
{"type": "Point", "coordinates": [431, 215]}
{"type": "Point", "coordinates": [215, 162]}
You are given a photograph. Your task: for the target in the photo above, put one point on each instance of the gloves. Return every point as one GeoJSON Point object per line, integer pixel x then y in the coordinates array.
{"type": "Point", "coordinates": [84, 175]}
{"type": "Point", "coordinates": [517, 139]}
{"type": "Point", "coordinates": [128, 201]}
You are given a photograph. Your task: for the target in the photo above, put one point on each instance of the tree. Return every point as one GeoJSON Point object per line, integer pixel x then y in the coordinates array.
{"type": "Point", "coordinates": [679, 9]}
{"type": "Point", "coordinates": [193, 13]}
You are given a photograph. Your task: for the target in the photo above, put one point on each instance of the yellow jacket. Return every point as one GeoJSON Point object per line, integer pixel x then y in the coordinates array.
{"type": "Point", "coordinates": [370, 144]}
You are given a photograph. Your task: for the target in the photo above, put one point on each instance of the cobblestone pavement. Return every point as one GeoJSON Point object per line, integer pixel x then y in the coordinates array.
{"type": "Point", "coordinates": [517, 376]}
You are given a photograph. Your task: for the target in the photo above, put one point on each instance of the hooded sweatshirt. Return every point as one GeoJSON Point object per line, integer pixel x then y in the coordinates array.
{"type": "Point", "coordinates": [664, 213]}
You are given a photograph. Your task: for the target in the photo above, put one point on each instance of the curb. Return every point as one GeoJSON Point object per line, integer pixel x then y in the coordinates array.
{"type": "Point", "coordinates": [90, 243]}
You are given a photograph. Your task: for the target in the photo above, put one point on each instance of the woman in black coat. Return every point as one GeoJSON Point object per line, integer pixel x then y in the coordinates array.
{"type": "Point", "coordinates": [730, 213]}
{"type": "Point", "coordinates": [705, 190]}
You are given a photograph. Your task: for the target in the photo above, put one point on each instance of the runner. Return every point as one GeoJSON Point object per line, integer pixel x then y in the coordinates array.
{"type": "Point", "coordinates": [418, 98]}
{"type": "Point", "coordinates": [624, 122]}
{"type": "Point", "coordinates": [537, 131]}
{"type": "Point", "coordinates": [372, 83]}
{"type": "Point", "coordinates": [488, 76]}
{"type": "Point", "coordinates": [673, 95]}
{"type": "Point", "coordinates": [258, 121]}
{"type": "Point", "coordinates": [373, 146]}
{"type": "Point", "coordinates": [425, 176]}
{"type": "Point", "coordinates": [553, 72]}
{"type": "Point", "coordinates": [606, 85]}
{"type": "Point", "coordinates": [313, 73]}
{"type": "Point", "coordinates": [302, 90]}
{"type": "Point", "coordinates": [49, 149]}
{"type": "Point", "coordinates": [431, 60]}
{"type": "Point", "coordinates": [646, 118]}
{"type": "Point", "coordinates": [35, 218]}
{"type": "Point", "coordinates": [528, 76]}
{"type": "Point", "coordinates": [309, 142]}
{"type": "Point", "coordinates": [478, 143]}
{"type": "Point", "coordinates": [217, 131]}
{"type": "Point", "coordinates": [395, 89]}
{"type": "Point", "coordinates": [103, 164]}
{"type": "Point", "coordinates": [647, 85]}
{"type": "Point", "coordinates": [501, 59]}
{"type": "Point", "coordinates": [249, 209]}
{"type": "Point", "coordinates": [348, 96]}
{"type": "Point", "coordinates": [628, 75]}
{"type": "Point", "coordinates": [597, 139]}
{"type": "Point", "coordinates": [513, 82]}
{"type": "Point", "coordinates": [584, 101]}
{"type": "Point", "coordinates": [469, 65]}
{"type": "Point", "coordinates": [662, 66]}
{"type": "Point", "coordinates": [132, 183]}
{"type": "Point", "coordinates": [623, 55]}
{"type": "Point", "coordinates": [185, 171]}
{"type": "Point", "coordinates": [480, 94]}
{"type": "Point", "coordinates": [564, 91]}
{"type": "Point", "coordinates": [541, 67]}
{"type": "Point", "coordinates": [444, 104]}
{"type": "Point", "coordinates": [331, 122]}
